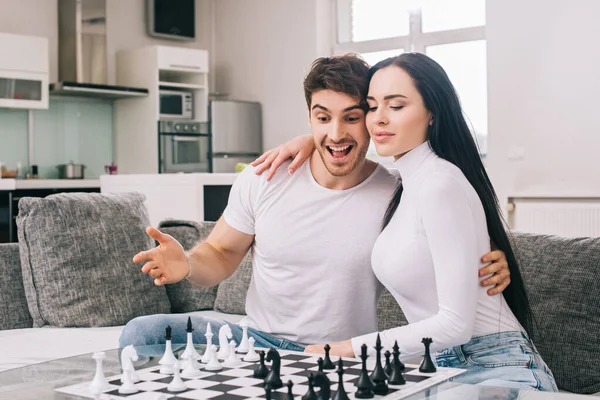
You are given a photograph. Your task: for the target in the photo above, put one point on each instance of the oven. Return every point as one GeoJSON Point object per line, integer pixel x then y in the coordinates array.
{"type": "Point", "coordinates": [184, 147]}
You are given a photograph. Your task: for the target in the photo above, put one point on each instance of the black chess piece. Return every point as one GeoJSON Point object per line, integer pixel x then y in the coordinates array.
{"type": "Point", "coordinates": [261, 371]}
{"type": "Point", "coordinates": [378, 376]}
{"type": "Point", "coordinates": [273, 377]}
{"type": "Point", "coordinates": [341, 392]}
{"type": "Point", "coordinates": [168, 333]}
{"type": "Point", "coordinates": [322, 382]}
{"type": "Point", "coordinates": [290, 395]}
{"type": "Point", "coordinates": [396, 377]}
{"type": "Point", "coordinates": [310, 394]}
{"type": "Point", "coordinates": [427, 364]}
{"type": "Point", "coordinates": [189, 325]}
{"type": "Point", "coordinates": [268, 389]}
{"type": "Point", "coordinates": [328, 364]}
{"type": "Point", "coordinates": [396, 349]}
{"type": "Point", "coordinates": [364, 384]}
{"type": "Point", "coordinates": [388, 366]}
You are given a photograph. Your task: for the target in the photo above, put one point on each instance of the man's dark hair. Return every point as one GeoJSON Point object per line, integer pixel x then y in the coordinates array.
{"type": "Point", "coordinates": [346, 74]}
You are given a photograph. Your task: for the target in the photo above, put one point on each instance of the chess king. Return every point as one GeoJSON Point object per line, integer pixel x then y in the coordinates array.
{"type": "Point", "coordinates": [312, 234]}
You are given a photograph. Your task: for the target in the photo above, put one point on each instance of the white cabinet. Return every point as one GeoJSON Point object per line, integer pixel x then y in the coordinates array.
{"type": "Point", "coordinates": [182, 59]}
{"type": "Point", "coordinates": [23, 71]}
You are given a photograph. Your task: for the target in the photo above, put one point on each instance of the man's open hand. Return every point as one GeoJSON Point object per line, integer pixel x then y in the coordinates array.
{"type": "Point", "coordinates": [166, 263]}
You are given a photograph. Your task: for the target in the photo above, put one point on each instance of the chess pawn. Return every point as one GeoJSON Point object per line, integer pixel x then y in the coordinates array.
{"type": "Point", "coordinates": [232, 360]}
{"type": "Point", "coordinates": [190, 371]}
{"type": "Point", "coordinates": [244, 345]}
{"type": "Point", "coordinates": [177, 384]}
{"type": "Point", "coordinates": [251, 356]}
{"type": "Point", "coordinates": [209, 336]}
{"type": "Point", "coordinates": [99, 384]}
{"type": "Point", "coordinates": [213, 363]}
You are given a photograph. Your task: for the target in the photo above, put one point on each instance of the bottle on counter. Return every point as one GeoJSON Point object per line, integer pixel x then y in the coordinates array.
{"type": "Point", "coordinates": [19, 170]}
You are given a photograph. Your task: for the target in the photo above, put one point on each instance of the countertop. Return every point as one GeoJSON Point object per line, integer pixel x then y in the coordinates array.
{"type": "Point", "coordinates": [167, 179]}
{"type": "Point", "coordinates": [14, 184]}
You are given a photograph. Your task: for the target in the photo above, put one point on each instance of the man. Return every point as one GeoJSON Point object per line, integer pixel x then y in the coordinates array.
{"type": "Point", "coordinates": [311, 233]}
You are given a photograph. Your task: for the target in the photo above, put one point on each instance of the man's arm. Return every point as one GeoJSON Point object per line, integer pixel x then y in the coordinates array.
{"type": "Point", "coordinates": [217, 258]}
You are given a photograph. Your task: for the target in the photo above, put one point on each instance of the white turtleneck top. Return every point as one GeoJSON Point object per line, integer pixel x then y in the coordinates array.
{"type": "Point", "coordinates": [428, 258]}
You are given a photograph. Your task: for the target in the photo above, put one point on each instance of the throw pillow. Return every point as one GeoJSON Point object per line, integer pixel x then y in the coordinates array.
{"type": "Point", "coordinates": [76, 253]}
{"type": "Point", "coordinates": [15, 314]}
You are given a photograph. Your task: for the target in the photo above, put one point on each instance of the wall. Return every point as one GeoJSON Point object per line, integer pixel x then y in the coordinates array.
{"type": "Point", "coordinates": [543, 85]}
{"type": "Point", "coordinates": [263, 49]}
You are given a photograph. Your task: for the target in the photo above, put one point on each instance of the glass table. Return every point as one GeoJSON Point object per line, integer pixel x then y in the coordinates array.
{"type": "Point", "coordinates": [38, 381]}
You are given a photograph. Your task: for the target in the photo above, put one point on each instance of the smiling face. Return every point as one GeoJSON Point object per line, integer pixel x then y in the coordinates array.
{"type": "Point", "coordinates": [337, 122]}
{"type": "Point", "coordinates": [397, 118]}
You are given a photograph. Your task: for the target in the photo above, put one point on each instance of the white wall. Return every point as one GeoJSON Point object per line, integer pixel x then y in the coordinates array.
{"type": "Point", "coordinates": [263, 49]}
{"type": "Point", "coordinates": [126, 26]}
{"type": "Point", "coordinates": [543, 90]}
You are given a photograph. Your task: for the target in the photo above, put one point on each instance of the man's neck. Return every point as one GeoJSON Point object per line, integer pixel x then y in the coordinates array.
{"type": "Point", "coordinates": [362, 171]}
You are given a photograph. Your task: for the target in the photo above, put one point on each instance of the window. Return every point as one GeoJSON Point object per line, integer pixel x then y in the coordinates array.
{"type": "Point", "coordinates": [452, 32]}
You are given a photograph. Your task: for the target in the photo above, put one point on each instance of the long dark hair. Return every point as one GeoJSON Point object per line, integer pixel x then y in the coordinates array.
{"type": "Point", "coordinates": [450, 138]}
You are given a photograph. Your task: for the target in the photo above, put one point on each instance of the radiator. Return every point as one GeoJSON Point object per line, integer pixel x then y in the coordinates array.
{"type": "Point", "coordinates": [569, 217]}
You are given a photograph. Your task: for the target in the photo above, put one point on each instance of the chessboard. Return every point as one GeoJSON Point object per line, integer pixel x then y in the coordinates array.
{"type": "Point", "coordinates": [238, 383]}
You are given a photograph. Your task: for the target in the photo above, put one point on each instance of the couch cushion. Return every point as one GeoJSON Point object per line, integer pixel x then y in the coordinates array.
{"type": "Point", "coordinates": [561, 276]}
{"type": "Point", "coordinates": [389, 313]}
{"type": "Point", "coordinates": [76, 253]}
{"type": "Point", "coordinates": [184, 296]}
{"type": "Point", "coordinates": [231, 295]}
{"type": "Point", "coordinates": [15, 314]}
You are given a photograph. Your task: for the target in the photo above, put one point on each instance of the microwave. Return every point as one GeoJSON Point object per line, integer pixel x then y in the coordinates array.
{"type": "Point", "coordinates": [175, 104]}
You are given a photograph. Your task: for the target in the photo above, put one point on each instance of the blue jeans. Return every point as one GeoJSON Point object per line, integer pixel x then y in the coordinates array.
{"type": "Point", "coordinates": [507, 359]}
{"type": "Point", "coordinates": [147, 334]}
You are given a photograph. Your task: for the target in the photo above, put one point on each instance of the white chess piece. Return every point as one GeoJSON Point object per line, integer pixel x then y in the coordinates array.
{"type": "Point", "coordinates": [224, 336]}
{"type": "Point", "coordinates": [128, 355]}
{"type": "Point", "coordinates": [213, 363]}
{"type": "Point", "coordinates": [177, 384]}
{"type": "Point", "coordinates": [232, 360]}
{"type": "Point", "coordinates": [99, 384]}
{"type": "Point", "coordinates": [243, 347]}
{"type": "Point", "coordinates": [208, 335]}
{"type": "Point", "coordinates": [191, 369]}
{"type": "Point", "coordinates": [252, 355]}
{"type": "Point", "coordinates": [168, 359]}
{"type": "Point", "coordinates": [128, 387]}
{"type": "Point", "coordinates": [189, 348]}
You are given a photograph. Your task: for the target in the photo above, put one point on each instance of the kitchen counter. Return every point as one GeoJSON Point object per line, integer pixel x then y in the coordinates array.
{"type": "Point", "coordinates": [194, 196]}
{"type": "Point", "coordinates": [16, 184]}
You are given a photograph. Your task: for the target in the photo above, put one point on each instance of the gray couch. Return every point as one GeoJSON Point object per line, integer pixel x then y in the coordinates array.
{"type": "Point", "coordinates": [72, 269]}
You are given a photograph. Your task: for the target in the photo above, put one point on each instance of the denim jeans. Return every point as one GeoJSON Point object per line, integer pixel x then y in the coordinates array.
{"type": "Point", "coordinates": [147, 334]}
{"type": "Point", "coordinates": [507, 359]}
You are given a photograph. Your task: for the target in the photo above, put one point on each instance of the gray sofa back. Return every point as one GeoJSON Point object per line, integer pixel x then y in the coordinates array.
{"type": "Point", "coordinates": [15, 314]}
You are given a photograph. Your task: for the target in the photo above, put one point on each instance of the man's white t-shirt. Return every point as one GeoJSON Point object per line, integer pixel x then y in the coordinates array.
{"type": "Point", "coordinates": [312, 280]}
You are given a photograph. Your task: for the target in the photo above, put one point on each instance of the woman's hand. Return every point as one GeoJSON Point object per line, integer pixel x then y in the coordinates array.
{"type": "Point", "coordinates": [500, 270]}
{"type": "Point", "coordinates": [340, 349]}
{"type": "Point", "coordinates": [299, 148]}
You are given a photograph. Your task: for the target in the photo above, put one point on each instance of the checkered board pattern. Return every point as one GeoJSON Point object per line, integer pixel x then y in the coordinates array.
{"type": "Point", "coordinates": [238, 383]}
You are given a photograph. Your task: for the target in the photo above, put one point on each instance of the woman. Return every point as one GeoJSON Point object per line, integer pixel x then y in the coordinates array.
{"type": "Point", "coordinates": [442, 215]}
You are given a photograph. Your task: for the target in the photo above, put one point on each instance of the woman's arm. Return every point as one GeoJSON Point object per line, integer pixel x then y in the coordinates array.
{"type": "Point", "coordinates": [300, 148]}
{"type": "Point", "coordinates": [447, 218]}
